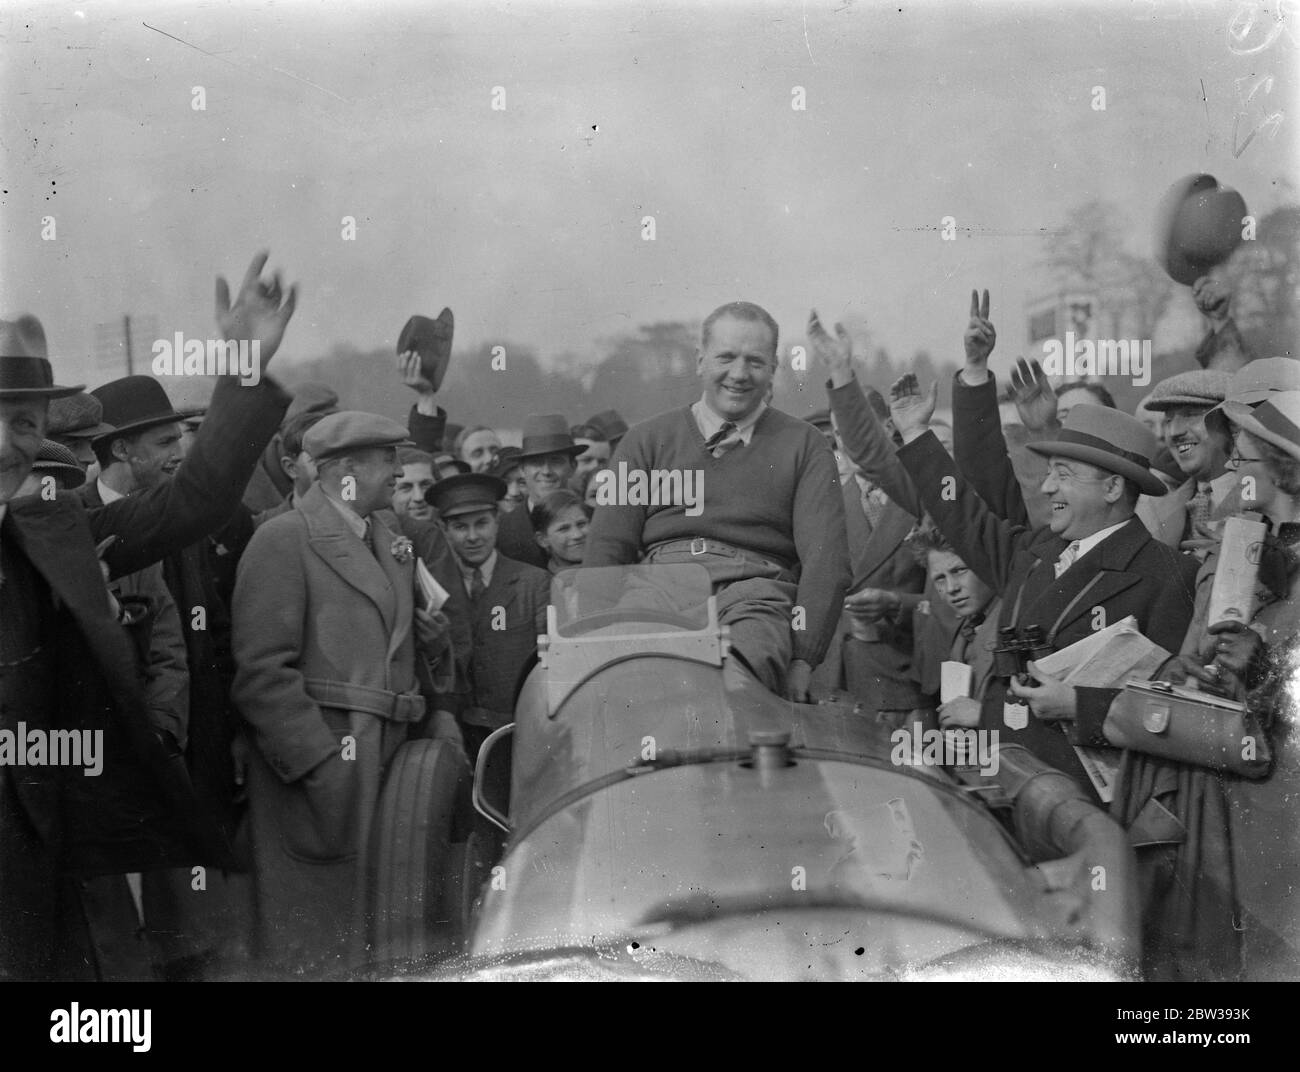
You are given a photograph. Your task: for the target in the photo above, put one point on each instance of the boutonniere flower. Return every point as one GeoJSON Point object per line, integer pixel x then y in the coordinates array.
{"type": "Point", "coordinates": [402, 550]}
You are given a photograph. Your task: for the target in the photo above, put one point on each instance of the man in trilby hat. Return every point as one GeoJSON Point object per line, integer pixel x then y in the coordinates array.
{"type": "Point", "coordinates": [67, 663]}
{"type": "Point", "coordinates": [548, 460]}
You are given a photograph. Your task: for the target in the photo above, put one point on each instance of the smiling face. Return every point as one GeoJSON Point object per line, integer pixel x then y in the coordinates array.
{"type": "Point", "coordinates": [151, 456]}
{"type": "Point", "coordinates": [594, 457]}
{"type": "Point", "coordinates": [480, 450]}
{"type": "Point", "coordinates": [375, 473]}
{"type": "Point", "coordinates": [953, 580]}
{"type": "Point", "coordinates": [408, 493]}
{"type": "Point", "coordinates": [472, 536]}
{"type": "Point", "coordinates": [1198, 452]}
{"type": "Point", "coordinates": [22, 423]}
{"type": "Point", "coordinates": [545, 473]}
{"type": "Point", "coordinates": [737, 366]}
{"type": "Point", "coordinates": [1084, 498]}
{"type": "Point", "coordinates": [566, 536]}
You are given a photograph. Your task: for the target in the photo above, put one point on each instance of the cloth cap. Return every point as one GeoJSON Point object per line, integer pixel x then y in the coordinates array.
{"type": "Point", "coordinates": [1200, 387]}
{"type": "Point", "coordinates": [79, 416]}
{"type": "Point", "coordinates": [349, 430]}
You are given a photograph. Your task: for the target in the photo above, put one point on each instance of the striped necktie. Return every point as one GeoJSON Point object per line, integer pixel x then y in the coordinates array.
{"type": "Point", "coordinates": [715, 441]}
{"type": "Point", "coordinates": [1067, 558]}
{"type": "Point", "coordinates": [476, 585]}
{"type": "Point", "coordinates": [1199, 508]}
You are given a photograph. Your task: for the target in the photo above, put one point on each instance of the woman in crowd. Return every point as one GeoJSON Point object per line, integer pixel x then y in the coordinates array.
{"type": "Point", "coordinates": [560, 523]}
{"type": "Point", "coordinates": [508, 470]}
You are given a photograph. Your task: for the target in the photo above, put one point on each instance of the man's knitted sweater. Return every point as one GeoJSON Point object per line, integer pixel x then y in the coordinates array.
{"type": "Point", "coordinates": [778, 496]}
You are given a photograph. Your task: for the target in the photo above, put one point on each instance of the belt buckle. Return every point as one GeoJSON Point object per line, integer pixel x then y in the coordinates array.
{"type": "Point", "coordinates": [699, 545]}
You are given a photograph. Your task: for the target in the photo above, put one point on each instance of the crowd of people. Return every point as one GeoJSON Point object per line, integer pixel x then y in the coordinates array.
{"type": "Point", "coordinates": [233, 597]}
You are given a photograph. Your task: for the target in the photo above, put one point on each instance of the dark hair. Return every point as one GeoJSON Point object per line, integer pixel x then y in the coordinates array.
{"type": "Point", "coordinates": [103, 448]}
{"type": "Point", "coordinates": [741, 310]}
{"type": "Point", "coordinates": [546, 511]}
{"type": "Point", "coordinates": [1097, 391]}
{"type": "Point", "coordinates": [923, 539]}
{"type": "Point", "coordinates": [588, 431]}
{"type": "Point", "coordinates": [294, 431]}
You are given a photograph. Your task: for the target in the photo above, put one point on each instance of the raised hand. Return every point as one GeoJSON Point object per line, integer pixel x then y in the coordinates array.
{"type": "Point", "coordinates": [1034, 397]}
{"type": "Point", "coordinates": [910, 408]}
{"type": "Point", "coordinates": [833, 356]}
{"type": "Point", "coordinates": [412, 374]}
{"type": "Point", "coordinates": [980, 337]}
{"type": "Point", "coordinates": [1212, 298]}
{"type": "Point", "coordinates": [257, 314]}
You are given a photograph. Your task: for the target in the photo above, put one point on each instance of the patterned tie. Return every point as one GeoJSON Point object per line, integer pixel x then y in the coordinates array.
{"type": "Point", "coordinates": [872, 507]}
{"type": "Point", "coordinates": [715, 441]}
{"type": "Point", "coordinates": [476, 585]}
{"type": "Point", "coordinates": [1199, 508]}
{"type": "Point", "coordinates": [1067, 558]}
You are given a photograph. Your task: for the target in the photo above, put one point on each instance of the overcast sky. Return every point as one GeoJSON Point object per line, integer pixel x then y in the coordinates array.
{"type": "Point", "coordinates": [527, 221]}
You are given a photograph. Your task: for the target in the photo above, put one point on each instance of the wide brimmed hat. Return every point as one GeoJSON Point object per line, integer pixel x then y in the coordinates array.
{"type": "Point", "coordinates": [134, 404]}
{"type": "Point", "coordinates": [79, 416]}
{"type": "Point", "coordinates": [431, 339]}
{"type": "Point", "coordinates": [1257, 380]}
{"type": "Point", "coordinates": [56, 460]}
{"type": "Point", "coordinates": [548, 433]}
{"type": "Point", "coordinates": [25, 370]}
{"type": "Point", "coordinates": [1276, 421]}
{"type": "Point", "coordinates": [1110, 440]}
{"type": "Point", "coordinates": [465, 493]}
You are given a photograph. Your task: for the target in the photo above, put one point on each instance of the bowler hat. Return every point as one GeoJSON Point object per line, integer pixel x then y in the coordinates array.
{"type": "Point", "coordinates": [134, 404]}
{"type": "Point", "coordinates": [1276, 421]}
{"type": "Point", "coordinates": [465, 493]}
{"type": "Point", "coordinates": [25, 370]}
{"type": "Point", "coordinates": [548, 433]}
{"type": "Point", "coordinates": [79, 416]}
{"type": "Point", "coordinates": [1110, 440]}
{"type": "Point", "coordinates": [610, 424]}
{"type": "Point", "coordinates": [58, 461]}
{"type": "Point", "coordinates": [431, 339]}
{"type": "Point", "coordinates": [349, 430]}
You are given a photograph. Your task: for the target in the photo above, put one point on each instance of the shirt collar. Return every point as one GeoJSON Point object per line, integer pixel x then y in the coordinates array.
{"type": "Point", "coordinates": [1089, 542]}
{"type": "Point", "coordinates": [489, 565]}
{"type": "Point", "coordinates": [355, 521]}
{"type": "Point", "coordinates": [709, 423]}
{"type": "Point", "coordinates": [107, 494]}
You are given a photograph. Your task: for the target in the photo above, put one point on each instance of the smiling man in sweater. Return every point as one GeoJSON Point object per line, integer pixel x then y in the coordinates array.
{"type": "Point", "coordinates": [770, 528]}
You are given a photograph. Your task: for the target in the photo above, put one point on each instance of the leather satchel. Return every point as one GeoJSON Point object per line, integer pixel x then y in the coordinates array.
{"type": "Point", "coordinates": [1182, 724]}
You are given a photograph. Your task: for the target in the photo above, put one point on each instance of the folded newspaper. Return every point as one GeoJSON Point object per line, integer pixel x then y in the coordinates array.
{"type": "Point", "coordinates": [434, 593]}
{"type": "Point", "coordinates": [1105, 660]}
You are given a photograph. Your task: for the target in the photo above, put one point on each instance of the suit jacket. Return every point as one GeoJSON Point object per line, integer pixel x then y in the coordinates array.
{"type": "Point", "coordinates": [515, 538]}
{"type": "Point", "coordinates": [490, 659]}
{"type": "Point", "coordinates": [140, 813]}
{"type": "Point", "coordinates": [319, 621]}
{"type": "Point", "coordinates": [1165, 516]}
{"type": "Point", "coordinates": [1127, 573]}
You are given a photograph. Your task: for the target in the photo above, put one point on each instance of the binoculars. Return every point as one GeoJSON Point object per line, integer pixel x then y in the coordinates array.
{"type": "Point", "coordinates": [1015, 649]}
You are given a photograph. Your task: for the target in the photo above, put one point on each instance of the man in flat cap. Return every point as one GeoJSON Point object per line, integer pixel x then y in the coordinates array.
{"type": "Point", "coordinates": [770, 529]}
{"type": "Point", "coordinates": [610, 424]}
{"type": "Point", "coordinates": [66, 663]}
{"type": "Point", "coordinates": [336, 661]}
{"type": "Point", "coordinates": [548, 459]}
{"type": "Point", "coordinates": [75, 421]}
{"type": "Point", "coordinates": [1210, 492]}
{"type": "Point", "coordinates": [497, 604]}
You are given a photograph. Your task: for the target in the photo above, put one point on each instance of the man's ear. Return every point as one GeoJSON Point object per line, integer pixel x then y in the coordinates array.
{"type": "Point", "coordinates": [289, 466]}
{"type": "Point", "coordinates": [1114, 488]}
{"type": "Point", "coordinates": [699, 360]}
{"type": "Point", "coordinates": [120, 449]}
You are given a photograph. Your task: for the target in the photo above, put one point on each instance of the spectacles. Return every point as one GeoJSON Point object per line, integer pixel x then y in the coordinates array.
{"type": "Point", "coordinates": [1235, 459]}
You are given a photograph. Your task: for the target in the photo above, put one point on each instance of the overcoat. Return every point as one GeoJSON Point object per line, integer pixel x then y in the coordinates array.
{"type": "Point", "coordinates": [327, 678]}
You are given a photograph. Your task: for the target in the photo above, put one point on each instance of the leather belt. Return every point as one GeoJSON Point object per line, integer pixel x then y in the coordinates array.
{"type": "Point", "coordinates": [397, 706]}
{"type": "Point", "coordinates": [701, 545]}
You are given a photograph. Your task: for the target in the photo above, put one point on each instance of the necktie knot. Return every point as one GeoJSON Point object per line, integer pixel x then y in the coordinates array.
{"type": "Point", "coordinates": [719, 437]}
{"type": "Point", "coordinates": [1067, 558]}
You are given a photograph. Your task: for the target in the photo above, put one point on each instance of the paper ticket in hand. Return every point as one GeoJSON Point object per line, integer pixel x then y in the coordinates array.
{"type": "Point", "coordinates": [954, 680]}
{"type": "Point", "coordinates": [435, 595]}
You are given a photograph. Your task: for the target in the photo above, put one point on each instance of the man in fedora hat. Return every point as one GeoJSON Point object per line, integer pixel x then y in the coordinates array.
{"type": "Point", "coordinates": [547, 459]}
{"type": "Point", "coordinates": [335, 662]}
{"type": "Point", "coordinates": [770, 529]}
{"type": "Point", "coordinates": [66, 663]}
{"type": "Point", "coordinates": [497, 604]}
{"type": "Point", "coordinates": [1093, 564]}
